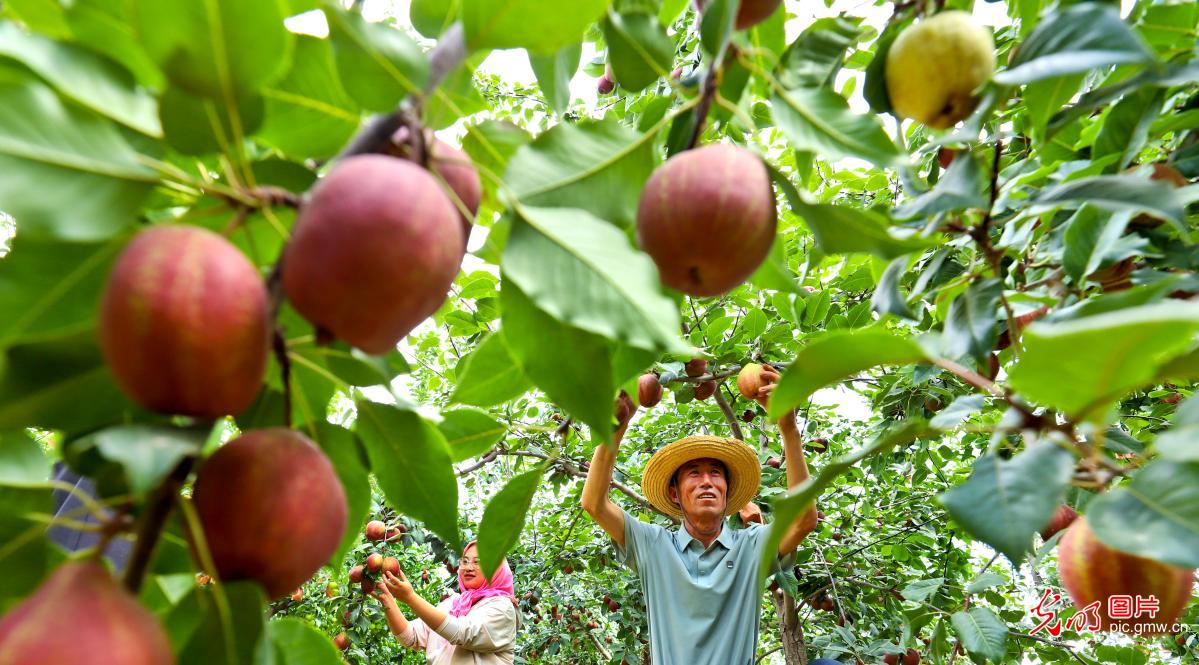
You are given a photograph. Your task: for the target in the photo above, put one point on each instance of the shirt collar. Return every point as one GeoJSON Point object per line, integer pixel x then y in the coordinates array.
{"type": "Point", "coordinates": [683, 538]}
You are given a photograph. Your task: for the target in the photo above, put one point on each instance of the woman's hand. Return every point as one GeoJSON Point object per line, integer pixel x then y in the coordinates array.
{"type": "Point", "coordinates": [384, 595]}
{"type": "Point", "coordinates": [398, 586]}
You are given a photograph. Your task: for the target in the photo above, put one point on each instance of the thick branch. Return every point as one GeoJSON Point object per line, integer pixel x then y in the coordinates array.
{"type": "Point", "coordinates": [729, 415]}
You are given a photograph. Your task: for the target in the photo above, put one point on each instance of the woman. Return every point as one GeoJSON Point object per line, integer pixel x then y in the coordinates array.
{"type": "Point", "coordinates": [475, 627]}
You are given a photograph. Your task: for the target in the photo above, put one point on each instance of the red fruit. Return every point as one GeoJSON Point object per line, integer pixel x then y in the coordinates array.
{"type": "Point", "coordinates": [749, 380]}
{"type": "Point", "coordinates": [394, 534]}
{"type": "Point", "coordinates": [375, 530]}
{"type": "Point", "coordinates": [751, 13]}
{"type": "Point", "coordinates": [391, 565]}
{"type": "Point", "coordinates": [773, 462]}
{"type": "Point", "coordinates": [424, 576]}
{"type": "Point", "coordinates": [945, 157]}
{"type": "Point", "coordinates": [1063, 517]}
{"type": "Point", "coordinates": [705, 390]}
{"type": "Point", "coordinates": [568, 569]}
{"type": "Point", "coordinates": [374, 251]}
{"type": "Point", "coordinates": [605, 85]}
{"type": "Point", "coordinates": [345, 618]}
{"type": "Point", "coordinates": [374, 562]}
{"type": "Point", "coordinates": [622, 410]}
{"type": "Point", "coordinates": [342, 641]}
{"type": "Point", "coordinates": [677, 73]}
{"type": "Point", "coordinates": [707, 218]}
{"type": "Point", "coordinates": [748, 415]}
{"type": "Point", "coordinates": [272, 509]}
{"type": "Point", "coordinates": [1172, 398]}
{"type": "Point", "coordinates": [184, 323]}
{"type": "Point", "coordinates": [891, 659]}
{"type": "Point", "coordinates": [81, 616]}
{"type": "Point", "coordinates": [368, 585]}
{"type": "Point", "coordinates": [1092, 571]}
{"type": "Point", "coordinates": [297, 595]}
{"type": "Point", "coordinates": [817, 445]}
{"type": "Point", "coordinates": [912, 657]}
{"type": "Point", "coordinates": [356, 574]}
{"type": "Point", "coordinates": [649, 390]}
{"type": "Point", "coordinates": [696, 367]}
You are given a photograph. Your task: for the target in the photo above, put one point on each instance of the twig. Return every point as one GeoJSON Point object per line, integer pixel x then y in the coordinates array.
{"type": "Point", "coordinates": [150, 527]}
{"type": "Point", "coordinates": [729, 415]}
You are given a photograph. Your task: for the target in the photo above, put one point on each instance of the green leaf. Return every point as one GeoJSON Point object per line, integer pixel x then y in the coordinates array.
{"type": "Point", "coordinates": [962, 187]}
{"type": "Point", "coordinates": [104, 27]}
{"type": "Point", "coordinates": [199, 126]}
{"type": "Point", "coordinates": [584, 272]}
{"type": "Point", "coordinates": [432, 17]}
{"type": "Point", "coordinates": [379, 65]}
{"type": "Point", "coordinates": [529, 24]}
{"type": "Point", "coordinates": [716, 25]}
{"type": "Point", "coordinates": [875, 88]}
{"type": "Point", "coordinates": [47, 146]}
{"type": "Point", "coordinates": [1181, 442]}
{"type": "Point", "coordinates": [44, 16]}
{"type": "Point", "coordinates": [774, 274]}
{"type": "Point", "coordinates": [298, 643]}
{"type": "Point", "coordinates": [840, 229]}
{"type": "Point", "coordinates": [958, 411]}
{"type": "Point", "coordinates": [490, 375]}
{"type": "Point", "coordinates": [572, 366]}
{"type": "Point", "coordinates": [970, 323]}
{"type": "Point", "coordinates": [1045, 98]}
{"type": "Point", "coordinates": [492, 143]}
{"type": "Point", "coordinates": [308, 113]}
{"type": "Point", "coordinates": [1155, 516]}
{"type": "Point", "coordinates": [356, 368]}
{"type": "Point", "coordinates": [554, 73]}
{"type": "Point", "coordinates": [639, 50]}
{"type": "Point", "coordinates": [788, 507]}
{"type": "Point", "coordinates": [1084, 365]}
{"type": "Point", "coordinates": [344, 450]}
{"type": "Point", "coordinates": [819, 120]}
{"type": "Point", "coordinates": [1125, 129]}
{"type": "Point", "coordinates": [22, 461]}
{"type": "Point", "coordinates": [470, 433]}
{"type": "Point", "coordinates": [1120, 193]}
{"type": "Point", "coordinates": [50, 288]}
{"type": "Point", "coordinates": [921, 590]}
{"type": "Point", "coordinates": [226, 635]}
{"type": "Point", "coordinates": [600, 167]}
{"type": "Point", "coordinates": [217, 50]}
{"type": "Point", "coordinates": [839, 355]}
{"type": "Point", "coordinates": [1088, 238]}
{"type": "Point", "coordinates": [146, 453]}
{"type": "Point", "coordinates": [982, 633]}
{"type": "Point", "coordinates": [887, 298]}
{"type": "Point", "coordinates": [504, 518]}
{"type": "Point", "coordinates": [412, 463]}
{"type": "Point", "coordinates": [1080, 38]}
{"type": "Point", "coordinates": [987, 580]}
{"type": "Point", "coordinates": [83, 77]}
{"type": "Point", "coordinates": [60, 383]}
{"type": "Point", "coordinates": [456, 97]}
{"type": "Point", "coordinates": [815, 57]}
{"type": "Point", "coordinates": [1004, 502]}
{"type": "Point", "coordinates": [25, 547]}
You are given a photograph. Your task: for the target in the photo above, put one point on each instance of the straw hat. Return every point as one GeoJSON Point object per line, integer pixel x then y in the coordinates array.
{"type": "Point", "coordinates": [744, 471]}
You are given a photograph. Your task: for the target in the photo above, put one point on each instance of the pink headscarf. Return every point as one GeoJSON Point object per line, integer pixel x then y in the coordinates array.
{"type": "Point", "coordinates": [500, 584]}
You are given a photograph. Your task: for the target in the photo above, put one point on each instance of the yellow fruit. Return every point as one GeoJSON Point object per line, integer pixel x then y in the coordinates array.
{"type": "Point", "coordinates": [935, 66]}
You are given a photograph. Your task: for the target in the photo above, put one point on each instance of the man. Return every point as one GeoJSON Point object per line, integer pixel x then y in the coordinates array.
{"type": "Point", "coordinates": [701, 581]}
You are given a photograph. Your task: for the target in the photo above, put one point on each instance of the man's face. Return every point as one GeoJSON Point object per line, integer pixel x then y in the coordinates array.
{"type": "Point", "coordinates": [701, 488]}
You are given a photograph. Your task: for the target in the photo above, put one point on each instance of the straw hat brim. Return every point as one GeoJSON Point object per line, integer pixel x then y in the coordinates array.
{"type": "Point", "coordinates": [745, 473]}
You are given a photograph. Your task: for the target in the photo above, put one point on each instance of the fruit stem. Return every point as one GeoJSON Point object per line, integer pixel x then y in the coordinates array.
{"type": "Point", "coordinates": [150, 526]}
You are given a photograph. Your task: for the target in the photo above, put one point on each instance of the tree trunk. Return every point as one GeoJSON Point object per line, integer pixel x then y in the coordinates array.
{"type": "Point", "coordinates": [795, 651]}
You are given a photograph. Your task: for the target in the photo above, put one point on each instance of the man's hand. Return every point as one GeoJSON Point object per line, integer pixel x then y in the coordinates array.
{"type": "Point", "coordinates": [751, 513]}
{"type": "Point", "coordinates": [624, 409]}
{"type": "Point", "coordinates": [770, 379]}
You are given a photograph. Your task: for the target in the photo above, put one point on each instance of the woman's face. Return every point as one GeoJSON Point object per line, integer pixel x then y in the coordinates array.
{"type": "Point", "coordinates": [472, 577]}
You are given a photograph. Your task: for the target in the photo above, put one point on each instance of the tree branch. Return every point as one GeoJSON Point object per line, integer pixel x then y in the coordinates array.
{"type": "Point", "coordinates": [150, 526]}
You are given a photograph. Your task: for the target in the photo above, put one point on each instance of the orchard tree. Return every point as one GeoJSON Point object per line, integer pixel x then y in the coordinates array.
{"type": "Point", "coordinates": [310, 295]}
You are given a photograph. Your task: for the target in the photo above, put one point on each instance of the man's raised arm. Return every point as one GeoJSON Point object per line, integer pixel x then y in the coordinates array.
{"type": "Point", "coordinates": [599, 478]}
{"type": "Point", "coordinates": [797, 466]}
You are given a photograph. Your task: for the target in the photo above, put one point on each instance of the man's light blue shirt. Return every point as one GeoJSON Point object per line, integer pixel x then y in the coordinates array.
{"type": "Point", "coordinates": [703, 605]}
